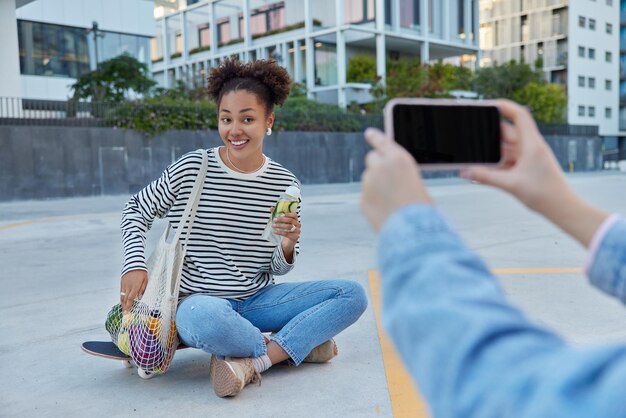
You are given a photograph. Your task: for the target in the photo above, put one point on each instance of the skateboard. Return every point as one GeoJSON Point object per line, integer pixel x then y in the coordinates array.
{"type": "Point", "coordinates": [107, 349]}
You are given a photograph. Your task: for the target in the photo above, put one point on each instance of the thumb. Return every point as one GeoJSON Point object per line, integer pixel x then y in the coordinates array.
{"type": "Point", "coordinates": [490, 176]}
{"type": "Point", "coordinates": [376, 138]}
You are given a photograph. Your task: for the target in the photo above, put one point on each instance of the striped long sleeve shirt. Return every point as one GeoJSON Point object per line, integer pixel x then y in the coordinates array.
{"type": "Point", "coordinates": [226, 254]}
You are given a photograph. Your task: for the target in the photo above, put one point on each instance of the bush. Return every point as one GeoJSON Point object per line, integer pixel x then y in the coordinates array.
{"type": "Point", "coordinates": [159, 114]}
{"type": "Point", "coordinates": [302, 114]}
{"type": "Point", "coordinates": [362, 69]}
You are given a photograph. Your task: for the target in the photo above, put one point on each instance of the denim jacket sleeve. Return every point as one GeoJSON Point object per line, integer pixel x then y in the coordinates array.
{"type": "Point", "coordinates": [470, 352]}
{"type": "Point", "coordinates": [607, 269]}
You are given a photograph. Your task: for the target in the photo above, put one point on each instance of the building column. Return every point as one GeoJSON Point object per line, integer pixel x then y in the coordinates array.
{"type": "Point", "coordinates": [467, 24]}
{"type": "Point", "coordinates": [381, 53]}
{"type": "Point", "coordinates": [166, 54]}
{"type": "Point", "coordinates": [284, 54]}
{"type": "Point", "coordinates": [247, 36]}
{"type": "Point", "coordinates": [395, 16]}
{"type": "Point", "coordinates": [309, 51]}
{"type": "Point", "coordinates": [183, 35]}
{"type": "Point", "coordinates": [341, 56]}
{"type": "Point", "coordinates": [213, 32]}
{"type": "Point", "coordinates": [297, 65]}
{"type": "Point", "coordinates": [425, 46]}
{"type": "Point", "coordinates": [445, 19]}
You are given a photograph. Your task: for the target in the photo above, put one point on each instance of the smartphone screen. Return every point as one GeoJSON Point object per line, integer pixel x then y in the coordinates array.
{"type": "Point", "coordinates": [448, 134]}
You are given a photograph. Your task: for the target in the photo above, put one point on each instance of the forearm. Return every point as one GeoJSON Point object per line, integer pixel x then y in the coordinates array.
{"type": "Point", "coordinates": [288, 248]}
{"type": "Point", "coordinates": [471, 353]}
{"type": "Point", "coordinates": [573, 215]}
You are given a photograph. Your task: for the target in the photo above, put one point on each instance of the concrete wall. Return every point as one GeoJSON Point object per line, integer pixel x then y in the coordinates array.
{"type": "Point", "coordinates": [43, 161]}
{"type": "Point", "coordinates": [38, 162]}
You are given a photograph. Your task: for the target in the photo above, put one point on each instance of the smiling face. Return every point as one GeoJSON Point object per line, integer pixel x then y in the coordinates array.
{"type": "Point", "coordinates": [243, 120]}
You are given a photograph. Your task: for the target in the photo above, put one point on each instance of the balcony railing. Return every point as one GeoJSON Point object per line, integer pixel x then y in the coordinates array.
{"type": "Point", "coordinates": [17, 111]}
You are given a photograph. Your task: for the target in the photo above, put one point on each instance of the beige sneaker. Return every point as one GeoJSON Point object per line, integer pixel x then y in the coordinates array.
{"type": "Point", "coordinates": [230, 375]}
{"type": "Point", "coordinates": [323, 353]}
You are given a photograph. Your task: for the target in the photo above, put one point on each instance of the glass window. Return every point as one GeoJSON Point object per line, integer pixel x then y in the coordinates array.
{"type": "Point", "coordinates": [609, 2]}
{"type": "Point", "coordinates": [460, 18]}
{"type": "Point", "coordinates": [265, 18]}
{"type": "Point", "coordinates": [581, 110]}
{"type": "Point", "coordinates": [581, 21]}
{"type": "Point", "coordinates": [608, 112]}
{"type": "Point", "coordinates": [609, 28]}
{"type": "Point", "coordinates": [592, 24]}
{"type": "Point", "coordinates": [52, 50]}
{"type": "Point", "coordinates": [325, 64]}
{"type": "Point", "coordinates": [581, 81]}
{"type": "Point", "coordinates": [410, 14]}
{"type": "Point", "coordinates": [591, 110]}
{"type": "Point", "coordinates": [591, 82]}
{"type": "Point", "coordinates": [204, 36]}
{"type": "Point", "coordinates": [591, 52]}
{"type": "Point", "coordinates": [608, 56]}
{"type": "Point", "coordinates": [227, 18]}
{"type": "Point", "coordinates": [359, 11]}
{"type": "Point", "coordinates": [608, 84]}
{"type": "Point", "coordinates": [581, 51]}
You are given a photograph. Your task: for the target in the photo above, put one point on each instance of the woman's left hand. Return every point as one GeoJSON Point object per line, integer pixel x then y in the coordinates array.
{"type": "Point", "coordinates": [288, 226]}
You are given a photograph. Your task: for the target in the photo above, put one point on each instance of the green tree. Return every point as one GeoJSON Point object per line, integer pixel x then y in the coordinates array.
{"type": "Point", "coordinates": [405, 78]}
{"type": "Point", "coordinates": [113, 80]}
{"type": "Point", "coordinates": [362, 69]}
{"type": "Point", "coordinates": [501, 81]}
{"type": "Point", "coordinates": [442, 78]}
{"type": "Point", "coordinates": [546, 101]}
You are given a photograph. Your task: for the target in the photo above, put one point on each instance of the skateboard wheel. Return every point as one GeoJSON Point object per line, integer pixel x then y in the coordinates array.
{"type": "Point", "coordinates": [127, 364]}
{"type": "Point", "coordinates": [144, 374]}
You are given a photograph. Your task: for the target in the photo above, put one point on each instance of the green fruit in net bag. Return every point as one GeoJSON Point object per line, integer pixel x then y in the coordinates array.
{"type": "Point", "coordinates": [123, 343]}
{"type": "Point", "coordinates": [114, 320]}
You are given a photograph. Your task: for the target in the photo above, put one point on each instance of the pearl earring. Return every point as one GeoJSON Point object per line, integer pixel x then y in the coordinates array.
{"type": "Point", "coordinates": [268, 132]}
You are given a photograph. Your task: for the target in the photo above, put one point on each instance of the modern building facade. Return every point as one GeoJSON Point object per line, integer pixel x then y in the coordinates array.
{"type": "Point", "coordinates": [313, 39]}
{"type": "Point", "coordinates": [578, 42]}
{"type": "Point", "coordinates": [49, 43]}
{"type": "Point", "coordinates": [622, 67]}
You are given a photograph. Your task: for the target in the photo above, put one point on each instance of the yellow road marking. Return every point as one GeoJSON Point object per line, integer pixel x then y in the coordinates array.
{"type": "Point", "coordinates": [405, 399]}
{"type": "Point", "coordinates": [59, 218]}
{"type": "Point", "coordinates": [18, 224]}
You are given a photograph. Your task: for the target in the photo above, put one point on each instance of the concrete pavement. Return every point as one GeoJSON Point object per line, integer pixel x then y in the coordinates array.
{"type": "Point", "coordinates": [59, 271]}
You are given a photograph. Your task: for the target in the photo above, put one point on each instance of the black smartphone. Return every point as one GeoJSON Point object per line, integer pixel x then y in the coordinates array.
{"type": "Point", "coordinates": [444, 134]}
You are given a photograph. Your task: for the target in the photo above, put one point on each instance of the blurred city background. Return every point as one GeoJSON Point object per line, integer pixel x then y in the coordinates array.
{"type": "Point", "coordinates": [76, 69]}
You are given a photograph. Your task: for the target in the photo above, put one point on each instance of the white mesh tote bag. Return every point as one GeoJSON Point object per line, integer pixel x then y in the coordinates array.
{"type": "Point", "coordinates": [148, 332]}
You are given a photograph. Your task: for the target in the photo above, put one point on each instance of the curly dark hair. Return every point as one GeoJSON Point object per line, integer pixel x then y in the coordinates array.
{"type": "Point", "coordinates": [265, 78]}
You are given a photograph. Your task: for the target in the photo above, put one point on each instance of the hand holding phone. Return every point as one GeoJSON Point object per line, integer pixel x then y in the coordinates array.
{"type": "Point", "coordinates": [444, 134]}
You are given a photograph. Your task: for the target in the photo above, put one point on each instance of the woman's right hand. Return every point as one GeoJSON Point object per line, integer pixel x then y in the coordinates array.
{"type": "Point", "coordinates": [530, 172]}
{"type": "Point", "coordinates": [132, 286]}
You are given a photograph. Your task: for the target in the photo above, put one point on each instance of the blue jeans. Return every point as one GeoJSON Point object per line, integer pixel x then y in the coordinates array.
{"type": "Point", "coordinates": [302, 316]}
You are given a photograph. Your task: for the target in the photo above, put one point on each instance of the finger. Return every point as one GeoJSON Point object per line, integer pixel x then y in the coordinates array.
{"type": "Point", "coordinates": [518, 114]}
{"type": "Point", "coordinates": [508, 133]}
{"type": "Point", "coordinates": [489, 176]}
{"type": "Point", "coordinates": [144, 284]}
{"type": "Point", "coordinates": [377, 139]}
{"type": "Point", "coordinates": [126, 305]}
